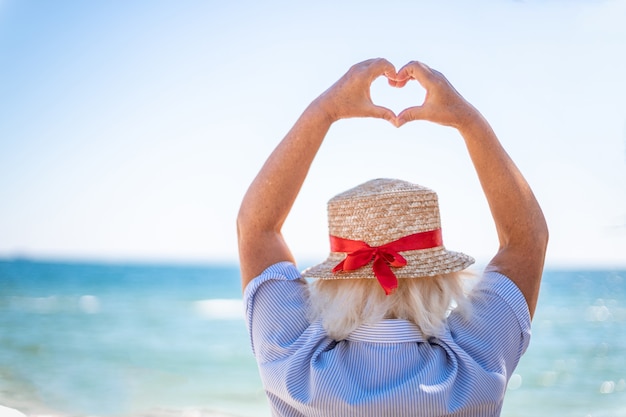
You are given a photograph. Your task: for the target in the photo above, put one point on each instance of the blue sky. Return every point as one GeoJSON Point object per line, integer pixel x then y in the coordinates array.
{"type": "Point", "coordinates": [131, 129]}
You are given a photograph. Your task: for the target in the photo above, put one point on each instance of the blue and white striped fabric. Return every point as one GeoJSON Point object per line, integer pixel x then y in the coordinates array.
{"type": "Point", "coordinates": [389, 369]}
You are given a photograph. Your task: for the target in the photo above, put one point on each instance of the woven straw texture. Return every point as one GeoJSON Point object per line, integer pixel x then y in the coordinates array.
{"type": "Point", "coordinates": [383, 210]}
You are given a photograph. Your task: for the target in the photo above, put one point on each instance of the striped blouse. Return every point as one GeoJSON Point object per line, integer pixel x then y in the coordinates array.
{"type": "Point", "coordinates": [389, 369]}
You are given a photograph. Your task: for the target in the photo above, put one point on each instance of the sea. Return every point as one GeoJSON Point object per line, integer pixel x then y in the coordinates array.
{"type": "Point", "coordinates": [163, 340]}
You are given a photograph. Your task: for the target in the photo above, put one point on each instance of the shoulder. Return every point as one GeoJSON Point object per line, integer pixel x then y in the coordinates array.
{"type": "Point", "coordinates": [276, 310]}
{"type": "Point", "coordinates": [496, 291]}
{"type": "Point", "coordinates": [276, 284]}
{"type": "Point", "coordinates": [496, 330]}
{"type": "Point", "coordinates": [281, 271]}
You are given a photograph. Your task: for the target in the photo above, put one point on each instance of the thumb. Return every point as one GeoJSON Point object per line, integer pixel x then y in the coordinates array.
{"type": "Point", "coordinates": [410, 114]}
{"type": "Point", "coordinates": [383, 113]}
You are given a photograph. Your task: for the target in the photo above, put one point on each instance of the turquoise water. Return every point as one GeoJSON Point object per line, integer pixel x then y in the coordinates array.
{"type": "Point", "coordinates": [130, 340]}
{"type": "Point", "coordinates": [576, 362]}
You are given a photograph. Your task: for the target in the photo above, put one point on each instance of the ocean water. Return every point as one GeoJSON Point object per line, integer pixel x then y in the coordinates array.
{"type": "Point", "coordinates": [81, 339]}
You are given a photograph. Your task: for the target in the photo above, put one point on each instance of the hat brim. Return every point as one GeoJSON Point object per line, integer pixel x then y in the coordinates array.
{"type": "Point", "coordinates": [420, 263]}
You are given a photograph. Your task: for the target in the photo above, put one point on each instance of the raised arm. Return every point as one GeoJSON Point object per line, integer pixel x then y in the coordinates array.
{"type": "Point", "coordinates": [521, 227]}
{"type": "Point", "coordinates": [275, 188]}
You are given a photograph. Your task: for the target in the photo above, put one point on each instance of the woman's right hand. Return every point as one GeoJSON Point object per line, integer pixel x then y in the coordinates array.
{"type": "Point", "coordinates": [442, 105]}
{"type": "Point", "coordinates": [520, 224]}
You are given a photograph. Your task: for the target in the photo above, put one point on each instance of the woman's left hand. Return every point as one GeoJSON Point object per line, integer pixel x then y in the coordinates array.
{"type": "Point", "coordinates": [350, 95]}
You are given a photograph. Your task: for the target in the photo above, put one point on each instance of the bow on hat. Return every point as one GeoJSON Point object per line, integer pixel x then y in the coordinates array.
{"type": "Point", "coordinates": [359, 254]}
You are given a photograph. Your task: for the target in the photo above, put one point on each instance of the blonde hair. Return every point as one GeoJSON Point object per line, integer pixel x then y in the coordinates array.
{"type": "Point", "coordinates": [344, 304]}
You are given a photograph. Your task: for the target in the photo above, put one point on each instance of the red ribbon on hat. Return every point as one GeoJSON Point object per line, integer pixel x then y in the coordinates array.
{"type": "Point", "coordinates": [385, 256]}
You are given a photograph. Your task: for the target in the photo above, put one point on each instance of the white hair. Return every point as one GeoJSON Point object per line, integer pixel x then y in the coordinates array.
{"type": "Point", "coordinates": [344, 304]}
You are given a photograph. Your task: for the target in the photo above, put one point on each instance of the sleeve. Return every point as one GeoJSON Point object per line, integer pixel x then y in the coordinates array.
{"type": "Point", "coordinates": [275, 304]}
{"type": "Point", "coordinates": [497, 332]}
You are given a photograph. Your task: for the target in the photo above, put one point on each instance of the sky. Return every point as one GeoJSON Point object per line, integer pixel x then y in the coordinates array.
{"type": "Point", "coordinates": [130, 130]}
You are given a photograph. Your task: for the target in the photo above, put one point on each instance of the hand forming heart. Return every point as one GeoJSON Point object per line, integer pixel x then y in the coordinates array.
{"type": "Point", "coordinates": [441, 103]}
{"type": "Point", "coordinates": [394, 98]}
{"type": "Point", "coordinates": [351, 95]}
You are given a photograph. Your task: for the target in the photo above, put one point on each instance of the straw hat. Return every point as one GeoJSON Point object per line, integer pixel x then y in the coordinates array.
{"type": "Point", "coordinates": [381, 211]}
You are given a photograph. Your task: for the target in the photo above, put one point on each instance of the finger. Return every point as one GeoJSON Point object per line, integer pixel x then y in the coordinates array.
{"type": "Point", "coordinates": [400, 79]}
{"type": "Point", "coordinates": [411, 68]}
{"type": "Point", "coordinates": [417, 71]}
{"type": "Point", "coordinates": [391, 74]}
{"type": "Point", "coordinates": [410, 114]}
{"type": "Point", "coordinates": [398, 83]}
{"type": "Point", "coordinates": [381, 112]}
{"type": "Point", "coordinates": [380, 66]}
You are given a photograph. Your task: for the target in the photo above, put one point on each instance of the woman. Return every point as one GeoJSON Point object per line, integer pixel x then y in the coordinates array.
{"type": "Point", "coordinates": [347, 348]}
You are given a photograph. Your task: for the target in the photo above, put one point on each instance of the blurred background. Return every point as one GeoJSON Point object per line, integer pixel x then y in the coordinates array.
{"type": "Point", "coordinates": [130, 130]}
